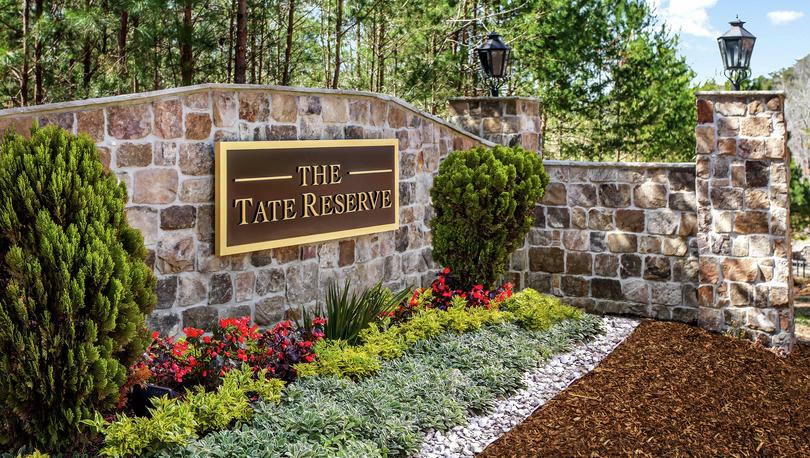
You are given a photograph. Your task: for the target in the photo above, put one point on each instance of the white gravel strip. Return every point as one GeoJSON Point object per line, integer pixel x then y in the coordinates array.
{"type": "Point", "coordinates": [541, 385]}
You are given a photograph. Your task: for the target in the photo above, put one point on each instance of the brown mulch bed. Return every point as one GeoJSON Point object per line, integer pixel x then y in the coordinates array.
{"type": "Point", "coordinates": [675, 390]}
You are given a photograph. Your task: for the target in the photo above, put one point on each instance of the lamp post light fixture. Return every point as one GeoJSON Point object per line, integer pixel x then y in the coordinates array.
{"type": "Point", "coordinates": [494, 57]}
{"type": "Point", "coordinates": [736, 46]}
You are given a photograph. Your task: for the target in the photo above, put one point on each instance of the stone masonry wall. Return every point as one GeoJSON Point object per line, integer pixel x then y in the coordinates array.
{"type": "Point", "coordinates": [616, 238]}
{"type": "Point", "coordinates": [511, 121]}
{"type": "Point", "coordinates": [161, 145]}
{"type": "Point", "coordinates": [743, 175]}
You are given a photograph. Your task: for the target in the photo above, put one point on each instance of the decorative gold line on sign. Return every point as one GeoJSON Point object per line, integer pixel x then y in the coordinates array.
{"type": "Point", "coordinates": [367, 172]}
{"type": "Point", "coordinates": [280, 177]}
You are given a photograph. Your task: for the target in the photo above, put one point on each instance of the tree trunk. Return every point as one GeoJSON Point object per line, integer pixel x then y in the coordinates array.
{"type": "Point", "coordinates": [24, 73]}
{"type": "Point", "coordinates": [285, 75]}
{"type": "Point", "coordinates": [186, 50]}
{"type": "Point", "coordinates": [230, 41]}
{"type": "Point", "coordinates": [240, 66]}
{"type": "Point", "coordinates": [123, 22]}
{"type": "Point", "coordinates": [38, 93]}
{"type": "Point", "coordinates": [338, 39]}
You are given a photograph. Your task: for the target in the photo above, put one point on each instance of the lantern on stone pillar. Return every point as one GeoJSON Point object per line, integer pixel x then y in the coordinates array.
{"type": "Point", "coordinates": [494, 57]}
{"type": "Point", "coordinates": [736, 46]}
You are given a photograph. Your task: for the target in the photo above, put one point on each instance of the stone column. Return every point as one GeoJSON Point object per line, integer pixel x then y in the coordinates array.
{"type": "Point", "coordinates": [511, 121]}
{"type": "Point", "coordinates": [742, 177]}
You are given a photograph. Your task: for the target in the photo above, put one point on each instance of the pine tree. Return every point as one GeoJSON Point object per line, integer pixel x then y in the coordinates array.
{"type": "Point", "coordinates": [74, 288]}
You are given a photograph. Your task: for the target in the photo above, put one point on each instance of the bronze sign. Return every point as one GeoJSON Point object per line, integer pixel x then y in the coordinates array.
{"type": "Point", "coordinates": [274, 194]}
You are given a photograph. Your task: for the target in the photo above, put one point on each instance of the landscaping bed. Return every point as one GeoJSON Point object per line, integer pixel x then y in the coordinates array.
{"type": "Point", "coordinates": [671, 389]}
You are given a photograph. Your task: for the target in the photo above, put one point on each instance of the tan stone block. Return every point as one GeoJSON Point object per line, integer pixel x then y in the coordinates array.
{"type": "Point", "coordinates": [756, 199]}
{"type": "Point", "coordinates": [226, 110]}
{"type": "Point", "coordinates": [730, 108]}
{"type": "Point", "coordinates": [555, 194]}
{"type": "Point", "coordinates": [190, 290]}
{"type": "Point", "coordinates": [198, 126]}
{"type": "Point", "coordinates": [619, 242]}
{"type": "Point", "coordinates": [492, 125]}
{"type": "Point", "coordinates": [760, 246]}
{"type": "Point", "coordinates": [740, 269]}
{"type": "Point", "coordinates": [129, 122]}
{"type": "Point", "coordinates": [284, 107]}
{"type": "Point", "coordinates": [779, 173]}
{"type": "Point", "coordinates": [175, 253]}
{"type": "Point", "coordinates": [755, 107]}
{"type": "Point", "coordinates": [397, 117]}
{"type": "Point", "coordinates": [579, 218]}
{"type": "Point", "coordinates": [196, 101]}
{"type": "Point", "coordinates": [708, 270]}
{"type": "Point", "coordinates": [168, 118]}
{"type": "Point", "coordinates": [155, 186]}
{"type": "Point", "coordinates": [254, 106]}
{"type": "Point", "coordinates": [91, 122]}
{"type": "Point", "coordinates": [133, 155]}
{"type": "Point", "coordinates": [723, 221]}
{"type": "Point", "coordinates": [650, 195]}
{"type": "Point", "coordinates": [379, 113]}
{"type": "Point", "coordinates": [738, 175]}
{"type": "Point", "coordinates": [727, 146]}
{"type": "Point", "coordinates": [739, 246]}
{"type": "Point", "coordinates": [62, 120]}
{"type": "Point", "coordinates": [674, 246]}
{"type": "Point", "coordinates": [576, 240]}
{"type": "Point", "coordinates": [689, 225]}
{"type": "Point", "coordinates": [741, 294]}
{"type": "Point", "coordinates": [705, 111]}
{"type": "Point", "coordinates": [751, 222]}
{"type": "Point", "coordinates": [334, 109]}
{"type": "Point", "coordinates": [648, 244]}
{"type": "Point", "coordinates": [774, 104]}
{"type": "Point", "coordinates": [630, 220]}
{"type": "Point", "coordinates": [197, 190]}
{"type": "Point", "coordinates": [703, 166]}
{"type": "Point", "coordinates": [705, 297]}
{"type": "Point", "coordinates": [145, 220]}
{"type": "Point", "coordinates": [705, 136]}
{"type": "Point", "coordinates": [756, 126]}
{"type": "Point", "coordinates": [728, 127]}
{"type": "Point", "coordinates": [104, 156]}
{"type": "Point", "coordinates": [775, 148]}
{"type": "Point", "coordinates": [196, 159]}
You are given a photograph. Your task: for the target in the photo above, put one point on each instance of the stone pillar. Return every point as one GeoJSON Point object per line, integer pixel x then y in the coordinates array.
{"type": "Point", "coordinates": [742, 177]}
{"type": "Point", "coordinates": [511, 121]}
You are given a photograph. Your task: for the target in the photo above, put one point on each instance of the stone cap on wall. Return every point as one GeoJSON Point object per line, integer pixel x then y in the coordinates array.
{"type": "Point", "coordinates": [141, 97]}
{"type": "Point", "coordinates": [623, 165]}
{"type": "Point", "coordinates": [738, 93]}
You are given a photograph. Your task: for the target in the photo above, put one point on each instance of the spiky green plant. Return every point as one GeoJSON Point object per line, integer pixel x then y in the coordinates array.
{"type": "Point", "coordinates": [74, 288]}
{"type": "Point", "coordinates": [347, 314]}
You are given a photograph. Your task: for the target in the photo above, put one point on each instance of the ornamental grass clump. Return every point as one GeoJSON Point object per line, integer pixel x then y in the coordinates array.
{"type": "Point", "coordinates": [74, 289]}
{"type": "Point", "coordinates": [484, 200]}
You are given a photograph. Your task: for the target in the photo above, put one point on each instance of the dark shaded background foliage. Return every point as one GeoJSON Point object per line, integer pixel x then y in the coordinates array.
{"type": "Point", "coordinates": [612, 84]}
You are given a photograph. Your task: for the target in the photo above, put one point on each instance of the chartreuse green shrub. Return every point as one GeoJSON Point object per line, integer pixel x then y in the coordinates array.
{"type": "Point", "coordinates": [74, 289]}
{"type": "Point", "coordinates": [175, 422]}
{"type": "Point", "coordinates": [435, 384]}
{"type": "Point", "coordinates": [484, 200]}
{"type": "Point", "coordinates": [536, 311]}
{"type": "Point", "coordinates": [528, 308]}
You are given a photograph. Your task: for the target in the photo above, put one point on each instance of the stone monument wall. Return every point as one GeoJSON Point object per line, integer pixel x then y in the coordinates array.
{"type": "Point", "coordinates": [161, 145]}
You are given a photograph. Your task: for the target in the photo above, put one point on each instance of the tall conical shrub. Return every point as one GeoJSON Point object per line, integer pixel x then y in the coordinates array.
{"type": "Point", "coordinates": [74, 288]}
{"type": "Point", "coordinates": [484, 203]}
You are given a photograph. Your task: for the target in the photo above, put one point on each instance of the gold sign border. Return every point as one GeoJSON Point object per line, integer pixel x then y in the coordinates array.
{"type": "Point", "coordinates": [221, 191]}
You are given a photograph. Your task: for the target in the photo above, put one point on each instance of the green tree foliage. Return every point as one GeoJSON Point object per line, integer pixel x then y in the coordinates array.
{"type": "Point", "coordinates": [610, 79]}
{"type": "Point", "coordinates": [74, 288]}
{"type": "Point", "coordinates": [799, 199]}
{"type": "Point", "coordinates": [484, 201]}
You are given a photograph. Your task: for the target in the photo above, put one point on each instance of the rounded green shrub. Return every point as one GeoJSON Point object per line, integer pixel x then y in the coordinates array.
{"type": "Point", "coordinates": [484, 202]}
{"type": "Point", "coordinates": [74, 289]}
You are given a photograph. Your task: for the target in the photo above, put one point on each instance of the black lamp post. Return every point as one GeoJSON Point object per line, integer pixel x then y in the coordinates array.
{"type": "Point", "coordinates": [494, 57]}
{"type": "Point", "coordinates": [736, 47]}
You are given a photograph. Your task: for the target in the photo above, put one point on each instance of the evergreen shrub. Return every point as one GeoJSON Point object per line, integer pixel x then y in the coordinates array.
{"type": "Point", "coordinates": [484, 202]}
{"type": "Point", "coordinates": [74, 288]}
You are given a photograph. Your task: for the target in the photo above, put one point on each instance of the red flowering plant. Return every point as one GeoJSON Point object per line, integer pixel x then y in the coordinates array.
{"type": "Point", "coordinates": [443, 289]}
{"type": "Point", "coordinates": [200, 359]}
